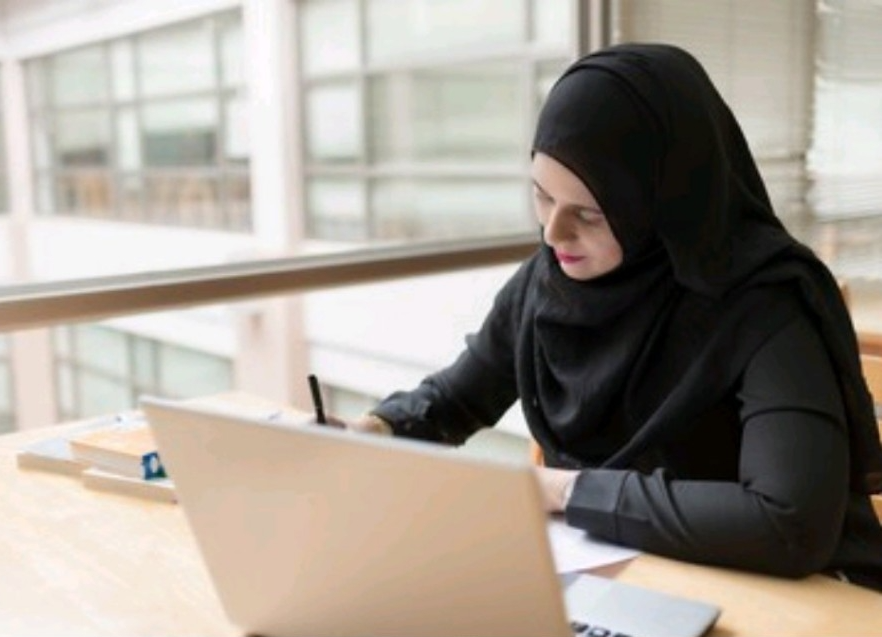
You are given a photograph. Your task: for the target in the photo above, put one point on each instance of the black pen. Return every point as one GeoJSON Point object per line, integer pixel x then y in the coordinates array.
{"type": "Point", "coordinates": [317, 399]}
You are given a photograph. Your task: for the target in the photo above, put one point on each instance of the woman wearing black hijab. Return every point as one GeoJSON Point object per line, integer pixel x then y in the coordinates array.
{"type": "Point", "coordinates": [689, 369]}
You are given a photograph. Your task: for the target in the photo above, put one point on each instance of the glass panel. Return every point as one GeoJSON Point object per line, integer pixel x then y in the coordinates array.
{"type": "Point", "coordinates": [87, 193]}
{"type": "Point", "coordinates": [103, 349]}
{"type": "Point", "coordinates": [42, 142]}
{"type": "Point", "coordinates": [186, 372]}
{"type": "Point", "coordinates": [336, 209]}
{"type": "Point", "coordinates": [82, 138]}
{"type": "Point", "coordinates": [237, 194]}
{"type": "Point", "coordinates": [845, 159]}
{"type": "Point", "coordinates": [61, 338]}
{"type": "Point", "coordinates": [128, 140]}
{"type": "Point", "coordinates": [80, 77]}
{"type": "Point", "coordinates": [400, 27]}
{"type": "Point", "coordinates": [145, 362]}
{"type": "Point", "coordinates": [184, 200]}
{"type": "Point", "coordinates": [180, 133]}
{"type": "Point", "coordinates": [65, 394]}
{"type": "Point", "coordinates": [546, 75]}
{"type": "Point", "coordinates": [123, 67]}
{"type": "Point", "coordinates": [131, 196]}
{"type": "Point", "coordinates": [329, 36]}
{"type": "Point", "coordinates": [553, 22]}
{"type": "Point", "coordinates": [37, 72]}
{"type": "Point", "coordinates": [112, 367]}
{"type": "Point", "coordinates": [236, 141]}
{"type": "Point", "coordinates": [45, 193]}
{"type": "Point", "coordinates": [100, 395]}
{"type": "Point", "coordinates": [442, 208]}
{"type": "Point", "coordinates": [474, 112]}
{"type": "Point", "coordinates": [334, 123]}
{"type": "Point", "coordinates": [177, 60]}
{"type": "Point", "coordinates": [232, 51]}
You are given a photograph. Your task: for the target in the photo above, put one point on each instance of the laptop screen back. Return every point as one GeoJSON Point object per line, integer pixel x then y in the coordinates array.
{"type": "Point", "coordinates": [308, 530]}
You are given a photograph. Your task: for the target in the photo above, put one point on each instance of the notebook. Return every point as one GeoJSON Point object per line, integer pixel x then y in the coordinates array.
{"type": "Point", "coordinates": [309, 530]}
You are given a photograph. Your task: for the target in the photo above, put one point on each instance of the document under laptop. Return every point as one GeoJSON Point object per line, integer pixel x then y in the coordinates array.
{"type": "Point", "coordinates": [309, 530]}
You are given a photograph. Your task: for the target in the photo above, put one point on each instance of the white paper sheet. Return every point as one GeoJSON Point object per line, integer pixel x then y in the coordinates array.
{"type": "Point", "coordinates": [575, 550]}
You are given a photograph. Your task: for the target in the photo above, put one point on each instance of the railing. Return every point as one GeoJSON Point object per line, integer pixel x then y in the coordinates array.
{"type": "Point", "coordinates": [43, 304]}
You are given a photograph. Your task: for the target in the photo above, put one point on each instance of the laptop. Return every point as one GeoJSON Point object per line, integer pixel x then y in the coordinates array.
{"type": "Point", "coordinates": [309, 530]}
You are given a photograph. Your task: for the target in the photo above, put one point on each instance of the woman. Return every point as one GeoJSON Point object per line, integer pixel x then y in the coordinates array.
{"type": "Point", "coordinates": [689, 370]}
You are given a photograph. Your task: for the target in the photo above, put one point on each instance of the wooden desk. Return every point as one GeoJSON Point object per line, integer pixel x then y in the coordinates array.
{"type": "Point", "coordinates": [77, 562]}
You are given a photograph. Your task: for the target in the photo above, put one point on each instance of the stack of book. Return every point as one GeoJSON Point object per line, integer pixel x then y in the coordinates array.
{"type": "Point", "coordinates": [117, 453]}
{"type": "Point", "coordinates": [114, 453]}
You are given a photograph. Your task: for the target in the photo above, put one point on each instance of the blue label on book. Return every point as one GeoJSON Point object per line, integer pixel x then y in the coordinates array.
{"type": "Point", "coordinates": [152, 466]}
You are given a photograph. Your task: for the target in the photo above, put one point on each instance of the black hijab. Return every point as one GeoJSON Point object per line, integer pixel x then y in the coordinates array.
{"type": "Point", "coordinates": [709, 273]}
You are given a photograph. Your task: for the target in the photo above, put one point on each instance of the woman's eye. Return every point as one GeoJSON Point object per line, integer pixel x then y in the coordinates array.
{"type": "Point", "coordinates": [589, 215]}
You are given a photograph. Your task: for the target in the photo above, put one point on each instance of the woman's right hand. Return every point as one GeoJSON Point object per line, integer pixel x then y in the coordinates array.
{"type": "Point", "coordinates": [368, 424]}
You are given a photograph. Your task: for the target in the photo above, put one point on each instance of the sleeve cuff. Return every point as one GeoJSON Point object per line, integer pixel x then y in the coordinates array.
{"type": "Point", "coordinates": [594, 500]}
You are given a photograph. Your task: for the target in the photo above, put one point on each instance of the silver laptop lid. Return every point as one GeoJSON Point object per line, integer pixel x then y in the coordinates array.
{"type": "Point", "coordinates": [308, 530]}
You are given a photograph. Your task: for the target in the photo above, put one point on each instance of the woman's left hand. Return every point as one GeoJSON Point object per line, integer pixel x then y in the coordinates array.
{"type": "Point", "coordinates": [555, 485]}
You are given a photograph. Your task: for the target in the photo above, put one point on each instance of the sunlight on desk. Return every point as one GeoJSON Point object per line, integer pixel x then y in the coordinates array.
{"type": "Point", "coordinates": [76, 562]}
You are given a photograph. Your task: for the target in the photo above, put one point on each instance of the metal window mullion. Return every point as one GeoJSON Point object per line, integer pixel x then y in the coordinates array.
{"type": "Point", "coordinates": [593, 25]}
{"type": "Point", "coordinates": [137, 106]}
{"type": "Point", "coordinates": [112, 167]}
{"type": "Point", "coordinates": [77, 403]}
{"type": "Point", "coordinates": [365, 160]}
{"type": "Point", "coordinates": [296, 232]}
{"type": "Point", "coordinates": [52, 142]}
{"type": "Point", "coordinates": [155, 359]}
{"type": "Point", "coordinates": [221, 126]}
{"type": "Point", "coordinates": [130, 364]}
{"type": "Point", "coordinates": [531, 80]}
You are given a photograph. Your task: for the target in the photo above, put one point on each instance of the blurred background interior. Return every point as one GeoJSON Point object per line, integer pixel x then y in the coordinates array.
{"type": "Point", "coordinates": [148, 137]}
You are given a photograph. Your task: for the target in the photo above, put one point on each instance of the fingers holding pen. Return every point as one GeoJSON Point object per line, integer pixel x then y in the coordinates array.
{"type": "Point", "coordinates": [367, 423]}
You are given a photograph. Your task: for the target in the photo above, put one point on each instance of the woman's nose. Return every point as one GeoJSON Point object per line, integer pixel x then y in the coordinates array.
{"type": "Point", "coordinates": [556, 227]}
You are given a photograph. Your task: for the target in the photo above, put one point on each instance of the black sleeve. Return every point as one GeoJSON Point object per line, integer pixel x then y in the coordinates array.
{"type": "Point", "coordinates": [784, 515]}
{"type": "Point", "coordinates": [473, 392]}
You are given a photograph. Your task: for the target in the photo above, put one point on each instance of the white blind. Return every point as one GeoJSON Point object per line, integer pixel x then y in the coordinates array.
{"type": "Point", "coordinates": [759, 55]}
{"type": "Point", "coordinates": [845, 160]}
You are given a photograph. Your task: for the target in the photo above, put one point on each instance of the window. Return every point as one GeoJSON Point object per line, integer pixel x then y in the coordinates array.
{"type": "Point", "coordinates": [396, 141]}
{"type": "Point", "coordinates": [100, 369]}
{"type": "Point", "coordinates": [760, 58]}
{"type": "Point", "coordinates": [805, 80]}
{"type": "Point", "coordinates": [421, 130]}
{"type": "Point", "coordinates": [845, 161]}
{"type": "Point", "coordinates": [150, 128]}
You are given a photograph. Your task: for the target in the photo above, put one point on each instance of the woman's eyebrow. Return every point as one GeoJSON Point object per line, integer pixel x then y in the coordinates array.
{"type": "Point", "coordinates": [540, 188]}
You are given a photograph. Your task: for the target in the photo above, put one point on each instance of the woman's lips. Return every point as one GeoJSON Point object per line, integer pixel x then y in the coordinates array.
{"type": "Point", "coordinates": [563, 257]}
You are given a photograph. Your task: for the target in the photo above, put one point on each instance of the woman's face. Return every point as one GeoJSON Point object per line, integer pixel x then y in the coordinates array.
{"type": "Point", "coordinates": [573, 224]}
